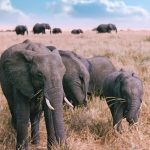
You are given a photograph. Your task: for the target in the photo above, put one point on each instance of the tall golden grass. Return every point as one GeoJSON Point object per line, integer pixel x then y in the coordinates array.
{"type": "Point", "coordinates": [91, 128]}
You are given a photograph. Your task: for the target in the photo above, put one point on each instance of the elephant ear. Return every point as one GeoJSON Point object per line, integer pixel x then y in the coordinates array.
{"type": "Point", "coordinates": [17, 72]}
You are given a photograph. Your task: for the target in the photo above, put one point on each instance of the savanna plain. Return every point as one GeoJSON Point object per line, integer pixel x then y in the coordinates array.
{"type": "Point", "coordinates": [90, 128]}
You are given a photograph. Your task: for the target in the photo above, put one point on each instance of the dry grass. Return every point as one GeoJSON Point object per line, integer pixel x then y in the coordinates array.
{"type": "Point", "coordinates": [91, 128]}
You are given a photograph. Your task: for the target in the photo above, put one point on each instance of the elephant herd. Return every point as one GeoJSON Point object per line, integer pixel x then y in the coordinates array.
{"type": "Point", "coordinates": [42, 27]}
{"type": "Point", "coordinates": [36, 78]}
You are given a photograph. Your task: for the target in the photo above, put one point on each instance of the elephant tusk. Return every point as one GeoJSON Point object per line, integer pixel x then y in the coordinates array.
{"type": "Point", "coordinates": [49, 105]}
{"type": "Point", "coordinates": [66, 100]}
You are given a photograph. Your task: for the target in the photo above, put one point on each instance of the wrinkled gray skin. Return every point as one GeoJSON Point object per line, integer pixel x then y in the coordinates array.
{"type": "Point", "coordinates": [98, 67]}
{"type": "Point", "coordinates": [125, 91]}
{"type": "Point", "coordinates": [103, 28]}
{"type": "Point", "coordinates": [56, 30]}
{"type": "Point", "coordinates": [25, 69]}
{"type": "Point", "coordinates": [76, 31]}
{"type": "Point", "coordinates": [21, 29]}
{"type": "Point", "coordinates": [41, 27]}
{"type": "Point", "coordinates": [76, 78]}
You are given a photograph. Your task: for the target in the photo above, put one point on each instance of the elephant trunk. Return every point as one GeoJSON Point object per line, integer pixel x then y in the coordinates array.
{"type": "Point", "coordinates": [55, 96]}
{"type": "Point", "coordinates": [132, 116]}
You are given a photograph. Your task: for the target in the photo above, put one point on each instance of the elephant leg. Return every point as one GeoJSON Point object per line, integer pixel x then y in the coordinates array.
{"type": "Point", "coordinates": [51, 138]}
{"type": "Point", "coordinates": [35, 121]}
{"type": "Point", "coordinates": [22, 113]}
{"type": "Point", "coordinates": [8, 92]}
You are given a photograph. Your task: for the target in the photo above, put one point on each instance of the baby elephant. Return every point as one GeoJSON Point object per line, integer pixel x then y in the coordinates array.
{"type": "Point", "coordinates": [123, 91]}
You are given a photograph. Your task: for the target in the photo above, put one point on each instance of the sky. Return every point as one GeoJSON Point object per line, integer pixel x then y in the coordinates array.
{"type": "Point", "coordinates": [68, 14]}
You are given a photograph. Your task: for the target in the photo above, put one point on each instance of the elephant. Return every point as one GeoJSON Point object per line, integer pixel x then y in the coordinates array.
{"type": "Point", "coordinates": [21, 29]}
{"type": "Point", "coordinates": [56, 30]}
{"type": "Point", "coordinates": [123, 91]}
{"type": "Point", "coordinates": [98, 67]}
{"type": "Point", "coordinates": [76, 78]}
{"type": "Point", "coordinates": [76, 31]}
{"type": "Point", "coordinates": [103, 28]}
{"type": "Point", "coordinates": [41, 27]}
{"type": "Point", "coordinates": [31, 80]}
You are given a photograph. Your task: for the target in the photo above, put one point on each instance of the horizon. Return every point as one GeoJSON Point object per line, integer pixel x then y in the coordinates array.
{"type": "Point", "coordinates": [69, 14]}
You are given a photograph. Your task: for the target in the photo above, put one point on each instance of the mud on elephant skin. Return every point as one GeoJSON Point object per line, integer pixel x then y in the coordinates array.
{"type": "Point", "coordinates": [123, 91]}
{"type": "Point", "coordinates": [26, 69]}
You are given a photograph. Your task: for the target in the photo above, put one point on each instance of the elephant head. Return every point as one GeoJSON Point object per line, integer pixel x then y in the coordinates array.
{"type": "Point", "coordinates": [76, 78]}
{"type": "Point", "coordinates": [112, 27]}
{"type": "Point", "coordinates": [131, 90]}
{"type": "Point", "coordinates": [47, 26]}
{"type": "Point", "coordinates": [27, 72]}
{"type": "Point", "coordinates": [123, 91]}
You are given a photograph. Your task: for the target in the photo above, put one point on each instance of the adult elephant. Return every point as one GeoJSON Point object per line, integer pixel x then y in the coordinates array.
{"type": "Point", "coordinates": [76, 31]}
{"type": "Point", "coordinates": [103, 28]}
{"type": "Point", "coordinates": [123, 91]}
{"type": "Point", "coordinates": [56, 30]}
{"type": "Point", "coordinates": [21, 29]}
{"type": "Point", "coordinates": [98, 67]}
{"type": "Point", "coordinates": [40, 28]}
{"type": "Point", "coordinates": [31, 80]}
{"type": "Point", "coordinates": [76, 78]}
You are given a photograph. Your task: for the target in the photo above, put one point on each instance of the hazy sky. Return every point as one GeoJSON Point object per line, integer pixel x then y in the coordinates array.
{"type": "Point", "coordinates": [75, 13]}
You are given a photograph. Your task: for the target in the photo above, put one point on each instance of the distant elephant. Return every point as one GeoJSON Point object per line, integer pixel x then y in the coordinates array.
{"type": "Point", "coordinates": [56, 30]}
{"type": "Point", "coordinates": [21, 29]}
{"type": "Point", "coordinates": [40, 28]}
{"type": "Point", "coordinates": [76, 31]}
{"type": "Point", "coordinates": [76, 79]}
{"type": "Point", "coordinates": [98, 67]}
{"type": "Point", "coordinates": [31, 80]}
{"type": "Point", "coordinates": [103, 28]}
{"type": "Point", "coordinates": [123, 91]}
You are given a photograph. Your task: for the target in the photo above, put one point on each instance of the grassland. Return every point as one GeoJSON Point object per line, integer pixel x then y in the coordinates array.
{"type": "Point", "coordinates": [90, 128]}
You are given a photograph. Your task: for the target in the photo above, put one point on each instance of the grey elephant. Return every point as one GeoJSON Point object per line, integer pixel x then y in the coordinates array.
{"type": "Point", "coordinates": [40, 28]}
{"type": "Point", "coordinates": [32, 84]}
{"type": "Point", "coordinates": [21, 29]}
{"type": "Point", "coordinates": [98, 67]}
{"type": "Point", "coordinates": [123, 91]}
{"type": "Point", "coordinates": [76, 78]}
{"type": "Point", "coordinates": [103, 28]}
{"type": "Point", "coordinates": [56, 30]}
{"type": "Point", "coordinates": [76, 31]}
